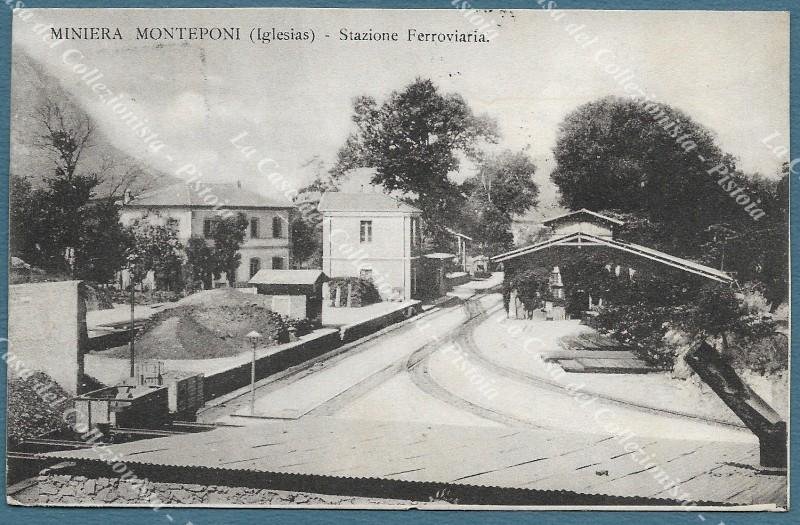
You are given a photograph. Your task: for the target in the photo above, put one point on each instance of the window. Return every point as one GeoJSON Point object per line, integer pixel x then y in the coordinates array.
{"type": "Point", "coordinates": [365, 273]}
{"type": "Point", "coordinates": [254, 227]}
{"type": "Point", "coordinates": [277, 227]}
{"type": "Point", "coordinates": [277, 263]}
{"type": "Point", "coordinates": [414, 232]}
{"type": "Point", "coordinates": [366, 231]}
{"type": "Point", "coordinates": [255, 266]}
{"type": "Point", "coordinates": [207, 228]}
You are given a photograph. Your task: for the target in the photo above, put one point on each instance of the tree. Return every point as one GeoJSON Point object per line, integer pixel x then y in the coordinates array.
{"type": "Point", "coordinates": [66, 231]}
{"type": "Point", "coordinates": [306, 241]}
{"type": "Point", "coordinates": [200, 261]}
{"type": "Point", "coordinates": [614, 154]}
{"type": "Point", "coordinates": [532, 286]}
{"type": "Point", "coordinates": [154, 246]}
{"type": "Point", "coordinates": [306, 221]}
{"type": "Point", "coordinates": [414, 140]}
{"type": "Point", "coordinates": [228, 234]}
{"type": "Point", "coordinates": [102, 244]}
{"type": "Point", "coordinates": [23, 220]}
{"type": "Point", "coordinates": [66, 133]}
{"type": "Point", "coordinates": [502, 187]}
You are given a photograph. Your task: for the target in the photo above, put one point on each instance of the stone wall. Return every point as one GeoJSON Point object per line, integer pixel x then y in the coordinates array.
{"type": "Point", "coordinates": [61, 489]}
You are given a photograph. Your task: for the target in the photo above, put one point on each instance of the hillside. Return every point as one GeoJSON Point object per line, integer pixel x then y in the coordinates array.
{"type": "Point", "coordinates": [31, 90]}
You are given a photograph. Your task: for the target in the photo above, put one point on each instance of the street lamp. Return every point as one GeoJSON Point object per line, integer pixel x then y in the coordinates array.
{"type": "Point", "coordinates": [254, 338]}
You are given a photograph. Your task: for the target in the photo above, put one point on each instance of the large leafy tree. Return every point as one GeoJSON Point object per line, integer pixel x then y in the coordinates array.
{"type": "Point", "coordinates": [228, 234]}
{"type": "Point", "coordinates": [306, 221]}
{"type": "Point", "coordinates": [306, 240]}
{"type": "Point", "coordinates": [103, 242]}
{"type": "Point", "coordinates": [414, 139]}
{"type": "Point", "coordinates": [614, 154]}
{"type": "Point", "coordinates": [200, 262]}
{"type": "Point", "coordinates": [155, 247]}
{"type": "Point", "coordinates": [501, 188]}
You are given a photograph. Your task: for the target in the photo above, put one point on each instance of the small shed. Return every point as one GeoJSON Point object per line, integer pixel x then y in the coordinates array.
{"type": "Point", "coordinates": [295, 293]}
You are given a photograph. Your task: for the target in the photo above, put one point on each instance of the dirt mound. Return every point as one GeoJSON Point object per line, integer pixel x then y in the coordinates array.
{"type": "Point", "coordinates": [222, 297]}
{"type": "Point", "coordinates": [207, 325]}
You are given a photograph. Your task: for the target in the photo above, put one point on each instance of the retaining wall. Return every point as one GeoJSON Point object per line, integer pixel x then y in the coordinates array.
{"type": "Point", "coordinates": [293, 354]}
{"type": "Point", "coordinates": [354, 331]}
{"type": "Point", "coordinates": [285, 356]}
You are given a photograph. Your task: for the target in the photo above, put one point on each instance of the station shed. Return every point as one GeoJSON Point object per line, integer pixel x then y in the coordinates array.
{"type": "Point", "coordinates": [295, 293]}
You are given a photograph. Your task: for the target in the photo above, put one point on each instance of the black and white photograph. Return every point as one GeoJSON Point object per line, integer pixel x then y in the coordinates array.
{"type": "Point", "coordinates": [454, 258]}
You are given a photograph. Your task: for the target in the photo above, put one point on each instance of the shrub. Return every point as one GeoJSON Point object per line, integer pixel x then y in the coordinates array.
{"type": "Point", "coordinates": [302, 326]}
{"type": "Point", "coordinates": [362, 291]}
{"type": "Point", "coordinates": [149, 297]}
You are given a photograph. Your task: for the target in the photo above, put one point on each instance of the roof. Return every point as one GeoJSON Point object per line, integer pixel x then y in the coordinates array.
{"type": "Point", "coordinates": [584, 211]}
{"type": "Point", "coordinates": [184, 195]}
{"type": "Point", "coordinates": [457, 234]}
{"type": "Point", "coordinates": [288, 277]}
{"type": "Point", "coordinates": [317, 448]}
{"type": "Point", "coordinates": [375, 202]}
{"type": "Point", "coordinates": [439, 255]}
{"type": "Point", "coordinates": [585, 239]}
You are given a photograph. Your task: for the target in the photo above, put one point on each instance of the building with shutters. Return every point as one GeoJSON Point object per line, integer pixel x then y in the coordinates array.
{"type": "Point", "coordinates": [267, 244]}
{"type": "Point", "coordinates": [372, 236]}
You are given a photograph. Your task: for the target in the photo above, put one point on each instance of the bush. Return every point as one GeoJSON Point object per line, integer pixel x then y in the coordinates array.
{"type": "Point", "coordinates": [640, 327]}
{"type": "Point", "coordinates": [362, 291]}
{"type": "Point", "coordinates": [149, 297]}
{"type": "Point", "coordinates": [302, 326]}
{"type": "Point", "coordinates": [765, 355]}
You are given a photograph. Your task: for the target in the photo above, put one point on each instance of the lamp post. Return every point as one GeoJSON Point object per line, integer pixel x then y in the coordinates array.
{"type": "Point", "coordinates": [254, 338]}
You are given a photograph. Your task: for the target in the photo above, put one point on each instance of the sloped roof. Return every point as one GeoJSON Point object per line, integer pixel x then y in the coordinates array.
{"type": "Point", "coordinates": [439, 255]}
{"type": "Point", "coordinates": [341, 201]}
{"type": "Point", "coordinates": [584, 211]}
{"type": "Point", "coordinates": [458, 234]}
{"type": "Point", "coordinates": [540, 463]}
{"type": "Point", "coordinates": [288, 277]}
{"type": "Point", "coordinates": [183, 194]}
{"type": "Point", "coordinates": [578, 238]}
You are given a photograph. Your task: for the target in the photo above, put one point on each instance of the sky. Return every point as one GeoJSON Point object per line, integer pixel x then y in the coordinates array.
{"type": "Point", "coordinates": [291, 101]}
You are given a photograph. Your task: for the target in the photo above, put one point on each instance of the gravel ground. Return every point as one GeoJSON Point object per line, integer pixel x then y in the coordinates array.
{"type": "Point", "coordinates": [29, 414]}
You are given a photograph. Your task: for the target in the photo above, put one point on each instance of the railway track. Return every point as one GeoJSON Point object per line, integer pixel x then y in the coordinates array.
{"type": "Point", "coordinates": [417, 366]}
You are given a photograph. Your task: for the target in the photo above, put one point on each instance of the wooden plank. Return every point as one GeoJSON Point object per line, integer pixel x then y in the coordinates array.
{"type": "Point", "coordinates": [576, 354]}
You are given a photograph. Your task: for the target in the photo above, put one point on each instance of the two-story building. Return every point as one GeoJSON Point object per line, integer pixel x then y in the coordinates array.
{"type": "Point", "coordinates": [267, 242]}
{"type": "Point", "coordinates": [372, 236]}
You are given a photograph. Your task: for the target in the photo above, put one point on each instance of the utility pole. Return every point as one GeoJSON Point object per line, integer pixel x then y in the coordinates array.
{"type": "Point", "coordinates": [254, 338]}
{"type": "Point", "coordinates": [132, 330]}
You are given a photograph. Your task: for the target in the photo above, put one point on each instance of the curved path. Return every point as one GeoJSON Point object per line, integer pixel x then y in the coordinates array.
{"type": "Point", "coordinates": [529, 400]}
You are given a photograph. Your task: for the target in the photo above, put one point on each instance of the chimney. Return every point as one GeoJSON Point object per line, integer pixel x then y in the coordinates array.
{"type": "Point", "coordinates": [239, 184]}
{"type": "Point", "coordinates": [127, 197]}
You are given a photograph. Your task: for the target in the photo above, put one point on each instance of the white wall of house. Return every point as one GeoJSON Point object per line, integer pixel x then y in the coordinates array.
{"type": "Point", "coordinates": [573, 226]}
{"type": "Point", "coordinates": [271, 242]}
{"type": "Point", "coordinates": [386, 255]}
